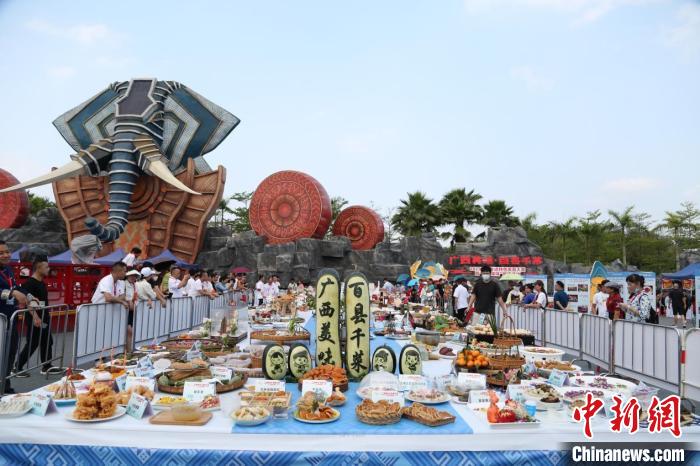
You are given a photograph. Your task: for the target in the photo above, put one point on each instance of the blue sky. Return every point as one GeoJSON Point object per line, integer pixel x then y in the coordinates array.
{"type": "Point", "coordinates": [556, 106]}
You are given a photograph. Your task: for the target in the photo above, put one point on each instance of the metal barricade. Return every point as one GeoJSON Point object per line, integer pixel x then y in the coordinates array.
{"type": "Point", "coordinates": [200, 310]}
{"type": "Point", "coordinates": [180, 310]}
{"type": "Point", "coordinates": [562, 330]}
{"type": "Point", "coordinates": [219, 302]}
{"type": "Point", "coordinates": [647, 352]}
{"type": "Point", "coordinates": [595, 340]}
{"type": "Point", "coordinates": [524, 317]}
{"type": "Point", "coordinates": [3, 351]}
{"type": "Point", "coordinates": [690, 387]}
{"type": "Point", "coordinates": [150, 323]}
{"type": "Point", "coordinates": [99, 328]}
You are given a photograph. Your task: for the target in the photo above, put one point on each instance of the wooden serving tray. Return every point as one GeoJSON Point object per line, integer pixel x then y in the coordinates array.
{"type": "Point", "coordinates": [166, 418]}
{"type": "Point", "coordinates": [430, 424]}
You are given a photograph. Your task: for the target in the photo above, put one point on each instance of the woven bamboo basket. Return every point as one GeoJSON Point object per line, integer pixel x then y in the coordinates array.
{"type": "Point", "coordinates": [378, 422]}
{"type": "Point", "coordinates": [505, 339]}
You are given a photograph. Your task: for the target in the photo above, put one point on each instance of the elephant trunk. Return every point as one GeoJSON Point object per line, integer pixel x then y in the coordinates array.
{"type": "Point", "coordinates": [123, 174]}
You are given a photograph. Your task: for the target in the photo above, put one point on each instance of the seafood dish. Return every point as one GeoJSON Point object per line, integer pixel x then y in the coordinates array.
{"type": "Point", "coordinates": [428, 396]}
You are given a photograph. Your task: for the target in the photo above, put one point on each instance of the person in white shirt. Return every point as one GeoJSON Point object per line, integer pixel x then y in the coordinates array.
{"type": "Point", "coordinates": [461, 295]}
{"type": "Point", "coordinates": [194, 284]}
{"type": "Point", "coordinates": [388, 287]}
{"type": "Point", "coordinates": [275, 286]}
{"type": "Point", "coordinates": [130, 287]}
{"type": "Point", "coordinates": [540, 301]}
{"type": "Point", "coordinates": [110, 289]}
{"type": "Point", "coordinates": [207, 287]}
{"type": "Point", "coordinates": [131, 258]}
{"type": "Point", "coordinates": [258, 291]}
{"type": "Point", "coordinates": [267, 290]}
{"type": "Point", "coordinates": [145, 290]}
{"type": "Point", "coordinates": [176, 286]}
{"type": "Point", "coordinates": [599, 306]}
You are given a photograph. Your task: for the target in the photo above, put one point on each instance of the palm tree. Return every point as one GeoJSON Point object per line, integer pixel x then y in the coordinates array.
{"type": "Point", "coordinates": [224, 208]}
{"type": "Point", "coordinates": [528, 222]}
{"type": "Point", "coordinates": [417, 214]}
{"type": "Point", "coordinates": [674, 223]}
{"type": "Point", "coordinates": [337, 204]}
{"type": "Point", "coordinates": [622, 222]}
{"type": "Point", "coordinates": [564, 231]}
{"type": "Point", "coordinates": [459, 208]}
{"type": "Point", "coordinates": [591, 230]}
{"type": "Point", "coordinates": [497, 213]}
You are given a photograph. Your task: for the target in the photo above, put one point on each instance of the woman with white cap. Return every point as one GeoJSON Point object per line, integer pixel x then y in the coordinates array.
{"type": "Point", "coordinates": [145, 289]}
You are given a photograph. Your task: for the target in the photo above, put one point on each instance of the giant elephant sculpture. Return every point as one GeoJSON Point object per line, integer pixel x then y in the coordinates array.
{"type": "Point", "coordinates": [136, 127]}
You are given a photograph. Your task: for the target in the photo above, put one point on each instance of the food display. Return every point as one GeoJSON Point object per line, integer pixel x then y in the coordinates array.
{"type": "Point", "coordinates": [328, 372]}
{"type": "Point", "coordinates": [447, 352]}
{"type": "Point", "coordinates": [100, 402]}
{"type": "Point", "coordinates": [336, 399]}
{"type": "Point", "coordinates": [540, 390]}
{"type": "Point", "coordinates": [185, 412]}
{"type": "Point", "coordinates": [377, 381]}
{"type": "Point", "coordinates": [511, 414]}
{"type": "Point", "coordinates": [168, 401]}
{"type": "Point", "coordinates": [410, 361]}
{"type": "Point", "coordinates": [65, 390]}
{"type": "Point", "coordinates": [274, 362]}
{"type": "Point", "coordinates": [250, 416]}
{"type": "Point", "coordinates": [603, 383]}
{"type": "Point", "coordinates": [382, 412]}
{"type": "Point", "coordinates": [123, 397]}
{"type": "Point", "coordinates": [427, 415]}
{"type": "Point", "coordinates": [113, 371]}
{"type": "Point", "coordinates": [384, 359]}
{"type": "Point", "coordinates": [75, 377]}
{"type": "Point", "coordinates": [299, 360]}
{"type": "Point", "coordinates": [535, 353]}
{"type": "Point", "coordinates": [428, 396]}
{"type": "Point", "coordinates": [471, 360]}
{"type": "Point", "coordinates": [14, 407]}
{"type": "Point", "coordinates": [278, 400]}
{"type": "Point", "coordinates": [572, 395]}
{"type": "Point", "coordinates": [549, 402]}
{"type": "Point", "coordinates": [151, 348]}
{"type": "Point", "coordinates": [550, 364]}
{"type": "Point", "coordinates": [311, 410]}
{"type": "Point", "coordinates": [210, 403]}
{"type": "Point", "coordinates": [479, 329]}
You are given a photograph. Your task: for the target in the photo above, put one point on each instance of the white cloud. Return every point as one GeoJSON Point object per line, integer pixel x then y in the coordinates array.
{"type": "Point", "coordinates": [584, 11]}
{"type": "Point", "coordinates": [61, 71]}
{"type": "Point", "coordinates": [685, 35]}
{"type": "Point", "coordinates": [631, 185]}
{"type": "Point", "coordinates": [87, 34]}
{"type": "Point", "coordinates": [533, 79]}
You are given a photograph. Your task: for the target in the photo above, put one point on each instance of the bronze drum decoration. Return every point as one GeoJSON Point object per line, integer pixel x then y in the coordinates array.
{"type": "Point", "coordinates": [290, 205]}
{"type": "Point", "coordinates": [362, 225]}
{"type": "Point", "coordinates": [14, 206]}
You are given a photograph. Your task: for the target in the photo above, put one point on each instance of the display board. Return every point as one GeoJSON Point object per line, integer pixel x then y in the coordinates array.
{"type": "Point", "coordinates": [532, 278]}
{"type": "Point", "coordinates": [697, 301]}
{"type": "Point", "coordinates": [577, 286]}
{"type": "Point", "coordinates": [621, 277]}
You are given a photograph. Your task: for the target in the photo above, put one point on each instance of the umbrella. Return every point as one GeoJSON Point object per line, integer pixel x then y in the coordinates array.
{"type": "Point", "coordinates": [241, 270]}
{"type": "Point", "coordinates": [414, 268]}
{"type": "Point", "coordinates": [402, 278]}
{"type": "Point", "coordinates": [422, 273]}
{"type": "Point", "coordinates": [437, 277]}
{"type": "Point", "coordinates": [167, 256]}
{"type": "Point", "coordinates": [512, 277]}
{"type": "Point", "coordinates": [412, 282]}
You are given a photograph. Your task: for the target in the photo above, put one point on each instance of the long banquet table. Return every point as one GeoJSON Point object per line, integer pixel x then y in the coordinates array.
{"type": "Point", "coordinates": [56, 440]}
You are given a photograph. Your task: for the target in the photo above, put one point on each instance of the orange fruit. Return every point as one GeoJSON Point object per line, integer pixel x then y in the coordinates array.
{"type": "Point", "coordinates": [470, 365]}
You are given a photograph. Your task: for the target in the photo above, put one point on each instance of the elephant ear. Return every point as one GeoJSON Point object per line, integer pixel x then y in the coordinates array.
{"type": "Point", "coordinates": [92, 120]}
{"type": "Point", "coordinates": [193, 126]}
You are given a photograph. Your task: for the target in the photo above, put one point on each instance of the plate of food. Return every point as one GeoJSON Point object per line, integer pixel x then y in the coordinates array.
{"type": "Point", "coordinates": [151, 348]}
{"type": "Point", "coordinates": [446, 352]}
{"type": "Point", "coordinates": [336, 399]}
{"type": "Point", "coordinates": [547, 365]}
{"type": "Point", "coordinates": [124, 396]}
{"type": "Point", "coordinates": [15, 407]}
{"type": "Point", "coordinates": [77, 416]}
{"type": "Point", "coordinates": [167, 401]}
{"type": "Point", "coordinates": [426, 415]}
{"type": "Point", "coordinates": [311, 411]}
{"type": "Point", "coordinates": [210, 403]}
{"type": "Point", "coordinates": [398, 336]}
{"type": "Point", "coordinates": [549, 403]}
{"type": "Point", "coordinates": [250, 416]}
{"type": "Point", "coordinates": [513, 414]}
{"type": "Point", "coordinates": [610, 384]}
{"type": "Point", "coordinates": [428, 397]}
{"type": "Point", "coordinates": [540, 390]}
{"type": "Point", "coordinates": [570, 394]}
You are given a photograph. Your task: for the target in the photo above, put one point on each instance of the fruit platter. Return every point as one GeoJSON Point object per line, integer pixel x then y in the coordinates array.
{"type": "Point", "coordinates": [471, 360]}
{"type": "Point", "coordinates": [250, 416]}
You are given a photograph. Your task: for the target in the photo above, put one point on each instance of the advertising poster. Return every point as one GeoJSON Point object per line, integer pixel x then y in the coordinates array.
{"type": "Point", "coordinates": [620, 277]}
{"type": "Point", "coordinates": [577, 286]}
{"type": "Point", "coordinates": [532, 278]}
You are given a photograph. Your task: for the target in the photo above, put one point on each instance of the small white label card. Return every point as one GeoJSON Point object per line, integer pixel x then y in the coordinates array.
{"type": "Point", "coordinates": [479, 398]}
{"type": "Point", "coordinates": [221, 373]}
{"type": "Point", "coordinates": [121, 382]}
{"type": "Point", "coordinates": [197, 391]}
{"type": "Point", "coordinates": [557, 378]}
{"type": "Point", "coordinates": [392, 396]}
{"type": "Point", "coordinates": [323, 388]}
{"type": "Point", "coordinates": [516, 392]}
{"type": "Point", "coordinates": [145, 362]}
{"type": "Point", "coordinates": [138, 406]}
{"type": "Point", "coordinates": [263, 385]}
{"type": "Point", "coordinates": [42, 404]}
{"type": "Point", "coordinates": [193, 354]}
{"type": "Point", "coordinates": [145, 372]}
{"type": "Point", "coordinates": [482, 319]}
{"type": "Point", "coordinates": [145, 381]}
{"type": "Point", "coordinates": [408, 382]}
{"type": "Point", "coordinates": [474, 381]}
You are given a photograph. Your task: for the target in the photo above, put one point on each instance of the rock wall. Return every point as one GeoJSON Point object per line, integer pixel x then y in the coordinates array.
{"type": "Point", "coordinates": [44, 233]}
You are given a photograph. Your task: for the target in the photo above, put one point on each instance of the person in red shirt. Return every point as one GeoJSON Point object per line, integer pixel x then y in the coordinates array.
{"type": "Point", "coordinates": [614, 301]}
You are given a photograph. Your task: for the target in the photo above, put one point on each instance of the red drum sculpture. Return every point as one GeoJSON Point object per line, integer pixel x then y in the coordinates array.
{"type": "Point", "coordinates": [14, 206]}
{"type": "Point", "coordinates": [290, 205]}
{"type": "Point", "coordinates": [361, 225]}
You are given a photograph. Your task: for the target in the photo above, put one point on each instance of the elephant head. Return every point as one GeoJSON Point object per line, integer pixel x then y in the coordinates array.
{"type": "Point", "coordinates": [136, 127]}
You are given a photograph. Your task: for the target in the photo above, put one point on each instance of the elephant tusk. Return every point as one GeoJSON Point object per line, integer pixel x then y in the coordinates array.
{"type": "Point", "coordinates": [70, 169]}
{"type": "Point", "coordinates": [159, 169]}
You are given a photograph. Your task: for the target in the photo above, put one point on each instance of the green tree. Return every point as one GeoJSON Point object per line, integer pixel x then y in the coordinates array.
{"type": "Point", "coordinates": [497, 212]}
{"type": "Point", "coordinates": [622, 223]}
{"type": "Point", "coordinates": [564, 231]}
{"type": "Point", "coordinates": [241, 220]}
{"type": "Point", "coordinates": [459, 208]}
{"type": "Point", "coordinates": [38, 203]}
{"type": "Point", "coordinates": [223, 209]}
{"type": "Point", "coordinates": [591, 230]}
{"type": "Point", "coordinates": [417, 214]}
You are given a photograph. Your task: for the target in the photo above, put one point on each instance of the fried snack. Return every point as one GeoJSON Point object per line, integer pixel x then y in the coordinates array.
{"type": "Point", "coordinates": [550, 364]}
{"type": "Point", "coordinates": [381, 412]}
{"type": "Point", "coordinates": [123, 397]}
{"type": "Point", "coordinates": [309, 408]}
{"type": "Point", "coordinates": [336, 399]}
{"type": "Point", "coordinates": [327, 372]}
{"type": "Point", "coordinates": [100, 401]}
{"type": "Point", "coordinates": [427, 415]}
